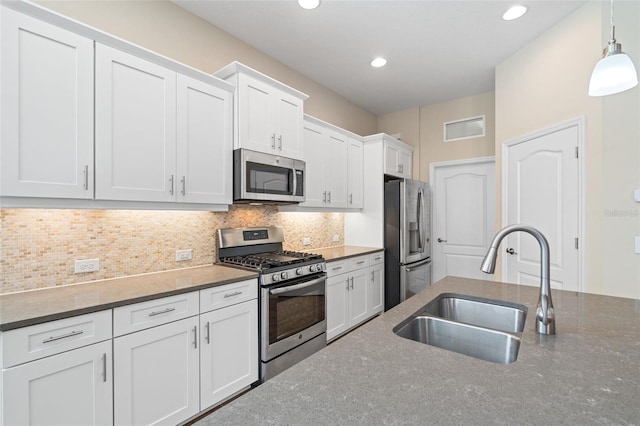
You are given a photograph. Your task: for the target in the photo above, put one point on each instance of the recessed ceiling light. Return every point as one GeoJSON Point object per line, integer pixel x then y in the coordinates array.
{"type": "Point", "coordinates": [309, 4]}
{"type": "Point", "coordinates": [514, 12]}
{"type": "Point", "coordinates": [379, 62]}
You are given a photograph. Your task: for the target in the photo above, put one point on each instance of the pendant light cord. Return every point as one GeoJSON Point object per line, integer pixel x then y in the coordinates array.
{"type": "Point", "coordinates": [613, 27]}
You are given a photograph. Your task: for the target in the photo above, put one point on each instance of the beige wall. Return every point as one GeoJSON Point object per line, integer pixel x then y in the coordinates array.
{"type": "Point", "coordinates": [165, 28]}
{"type": "Point", "coordinates": [423, 128]}
{"type": "Point", "coordinates": [546, 83]}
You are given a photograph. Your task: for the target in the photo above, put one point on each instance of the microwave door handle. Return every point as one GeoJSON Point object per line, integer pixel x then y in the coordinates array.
{"type": "Point", "coordinates": [281, 290]}
{"type": "Point", "coordinates": [295, 182]}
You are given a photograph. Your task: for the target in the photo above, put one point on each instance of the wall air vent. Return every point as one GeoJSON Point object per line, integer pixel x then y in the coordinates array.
{"type": "Point", "coordinates": [466, 128]}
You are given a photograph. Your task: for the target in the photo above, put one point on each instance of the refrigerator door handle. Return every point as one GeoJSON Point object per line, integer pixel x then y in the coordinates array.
{"type": "Point", "coordinates": [416, 265]}
{"type": "Point", "coordinates": [421, 224]}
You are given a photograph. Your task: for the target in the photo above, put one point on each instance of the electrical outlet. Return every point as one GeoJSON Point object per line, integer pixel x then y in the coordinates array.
{"type": "Point", "coordinates": [88, 265]}
{"type": "Point", "coordinates": [183, 255]}
{"type": "Point", "coordinates": [336, 238]}
{"type": "Point", "coordinates": [306, 241]}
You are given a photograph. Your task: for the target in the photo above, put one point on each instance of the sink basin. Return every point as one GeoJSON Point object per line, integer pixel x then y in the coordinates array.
{"type": "Point", "coordinates": [489, 313]}
{"type": "Point", "coordinates": [478, 342]}
{"type": "Point", "coordinates": [487, 329]}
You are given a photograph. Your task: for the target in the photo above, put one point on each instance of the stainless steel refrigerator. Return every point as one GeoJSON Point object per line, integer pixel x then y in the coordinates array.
{"type": "Point", "coordinates": [406, 240]}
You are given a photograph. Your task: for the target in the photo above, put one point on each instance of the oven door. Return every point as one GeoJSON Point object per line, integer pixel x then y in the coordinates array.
{"type": "Point", "coordinates": [265, 177]}
{"type": "Point", "coordinates": [292, 313]}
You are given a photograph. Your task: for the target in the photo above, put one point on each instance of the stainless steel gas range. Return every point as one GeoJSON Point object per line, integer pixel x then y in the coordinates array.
{"type": "Point", "coordinates": [292, 315]}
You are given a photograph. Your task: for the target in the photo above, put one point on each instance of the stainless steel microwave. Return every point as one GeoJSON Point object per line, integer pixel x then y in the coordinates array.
{"type": "Point", "coordinates": [266, 178]}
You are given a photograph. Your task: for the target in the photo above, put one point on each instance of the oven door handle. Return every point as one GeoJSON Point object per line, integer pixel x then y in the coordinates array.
{"type": "Point", "coordinates": [281, 290]}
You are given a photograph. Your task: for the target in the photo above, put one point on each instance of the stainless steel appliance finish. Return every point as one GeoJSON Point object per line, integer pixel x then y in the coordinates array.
{"type": "Point", "coordinates": [292, 294]}
{"type": "Point", "coordinates": [266, 178]}
{"type": "Point", "coordinates": [545, 314]}
{"type": "Point", "coordinates": [407, 239]}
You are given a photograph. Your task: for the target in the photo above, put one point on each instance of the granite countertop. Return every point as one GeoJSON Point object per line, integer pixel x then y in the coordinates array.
{"type": "Point", "coordinates": [588, 373]}
{"type": "Point", "coordinates": [38, 306]}
{"type": "Point", "coordinates": [331, 254]}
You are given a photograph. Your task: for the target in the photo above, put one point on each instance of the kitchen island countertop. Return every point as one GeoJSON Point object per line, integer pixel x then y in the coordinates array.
{"type": "Point", "coordinates": [331, 254]}
{"type": "Point", "coordinates": [588, 373]}
{"type": "Point", "coordinates": [37, 306]}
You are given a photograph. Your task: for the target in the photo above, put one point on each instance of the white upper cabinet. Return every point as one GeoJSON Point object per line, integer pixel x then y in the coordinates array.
{"type": "Point", "coordinates": [204, 129]}
{"type": "Point", "coordinates": [46, 87]}
{"type": "Point", "coordinates": [355, 174]}
{"type": "Point", "coordinates": [268, 114]}
{"type": "Point", "coordinates": [160, 135]}
{"type": "Point", "coordinates": [397, 155]}
{"type": "Point", "coordinates": [135, 128]}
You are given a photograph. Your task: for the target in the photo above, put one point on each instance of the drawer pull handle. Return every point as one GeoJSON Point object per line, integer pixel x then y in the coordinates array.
{"type": "Point", "coordinates": [360, 263]}
{"type": "Point", "coordinates": [235, 293]}
{"type": "Point", "coordinates": [337, 268]}
{"type": "Point", "coordinates": [63, 336]}
{"type": "Point", "coordinates": [164, 311]}
{"type": "Point", "coordinates": [377, 258]}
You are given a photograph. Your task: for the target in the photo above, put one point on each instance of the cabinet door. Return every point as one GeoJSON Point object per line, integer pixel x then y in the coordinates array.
{"type": "Point", "coordinates": [359, 283]}
{"type": "Point", "coordinates": [204, 145]}
{"type": "Point", "coordinates": [156, 374]}
{"type": "Point", "coordinates": [314, 138]}
{"type": "Point", "coordinates": [391, 160]}
{"type": "Point", "coordinates": [255, 109]}
{"type": "Point", "coordinates": [335, 174]}
{"type": "Point", "coordinates": [337, 306]}
{"type": "Point", "coordinates": [288, 118]}
{"type": "Point", "coordinates": [229, 351]}
{"type": "Point", "coordinates": [405, 159]}
{"type": "Point", "coordinates": [47, 110]}
{"type": "Point", "coordinates": [135, 128]}
{"type": "Point", "coordinates": [355, 174]}
{"type": "Point", "coordinates": [375, 292]}
{"type": "Point", "coordinates": [72, 388]}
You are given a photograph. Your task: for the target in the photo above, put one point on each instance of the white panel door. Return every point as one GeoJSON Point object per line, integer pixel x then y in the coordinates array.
{"type": "Point", "coordinates": [72, 388]}
{"type": "Point", "coordinates": [335, 175]}
{"type": "Point", "coordinates": [358, 286]}
{"type": "Point", "coordinates": [229, 351]}
{"type": "Point", "coordinates": [355, 174]}
{"type": "Point", "coordinates": [464, 217]}
{"type": "Point", "coordinates": [541, 187]}
{"type": "Point", "coordinates": [255, 109]}
{"type": "Point", "coordinates": [157, 374]}
{"type": "Point", "coordinates": [288, 116]}
{"type": "Point", "coordinates": [204, 142]}
{"type": "Point", "coordinates": [375, 292]}
{"type": "Point", "coordinates": [47, 110]}
{"type": "Point", "coordinates": [135, 128]}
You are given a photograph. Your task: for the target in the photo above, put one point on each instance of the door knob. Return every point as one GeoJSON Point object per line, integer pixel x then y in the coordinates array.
{"type": "Point", "coordinates": [511, 251]}
{"type": "Point", "coordinates": [440, 240]}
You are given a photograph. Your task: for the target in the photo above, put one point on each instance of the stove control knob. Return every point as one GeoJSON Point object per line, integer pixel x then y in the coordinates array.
{"type": "Point", "coordinates": [299, 271]}
{"type": "Point", "coordinates": [284, 275]}
{"type": "Point", "coordinates": [312, 268]}
{"type": "Point", "coordinates": [275, 277]}
{"type": "Point", "coordinates": [319, 267]}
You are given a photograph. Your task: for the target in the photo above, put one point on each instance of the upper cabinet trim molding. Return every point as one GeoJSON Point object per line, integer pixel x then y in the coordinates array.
{"type": "Point", "coordinates": [236, 67]}
{"type": "Point", "coordinates": [311, 119]}
{"type": "Point", "coordinates": [79, 28]}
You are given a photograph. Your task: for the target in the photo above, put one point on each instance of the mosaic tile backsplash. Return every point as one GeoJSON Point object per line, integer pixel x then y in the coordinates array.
{"type": "Point", "coordinates": [38, 247]}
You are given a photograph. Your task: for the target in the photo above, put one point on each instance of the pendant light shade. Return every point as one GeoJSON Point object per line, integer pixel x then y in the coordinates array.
{"type": "Point", "coordinates": [614, 73]}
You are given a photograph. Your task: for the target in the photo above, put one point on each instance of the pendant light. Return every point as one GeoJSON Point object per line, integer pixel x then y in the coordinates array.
{"type": "Point", "coordinates": [614, 73]}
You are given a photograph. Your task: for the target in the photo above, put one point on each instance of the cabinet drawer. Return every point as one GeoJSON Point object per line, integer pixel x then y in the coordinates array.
{"type": "Point", "coordinates": [38, 341]}
{"type": "Point", "coordinates": [376, 258]}
{"type": "Point", "coordinates": [227, 295]}
{"type": "Point", "coordinates": [337, 268]}
{"type": "Point", "coordinates": [358, 262]}
{"type": "Point", "coordinates": [140, 316]}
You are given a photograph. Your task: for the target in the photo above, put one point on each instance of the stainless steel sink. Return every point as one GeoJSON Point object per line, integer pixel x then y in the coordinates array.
{"type": "Point", "coordinates": [487, 329]}
{"type": "Point", "coordinates": [478, 342]}
{"type": "Point", "coordinates": [490, 313]}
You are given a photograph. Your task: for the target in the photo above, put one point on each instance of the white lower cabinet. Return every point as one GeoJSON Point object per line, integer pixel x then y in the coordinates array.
{"type": "Point", "coordinates": [71, 388]}
{"type": "Point", "coordinates": [354, 292]}
{"type": "Point", "coordinates": [228, 351]}
{"type": "Point", "coordinates": [157, 374]}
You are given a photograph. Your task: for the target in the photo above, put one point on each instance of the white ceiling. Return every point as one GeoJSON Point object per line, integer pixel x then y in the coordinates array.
{"type": "Point", "coordinates": [437, 50]}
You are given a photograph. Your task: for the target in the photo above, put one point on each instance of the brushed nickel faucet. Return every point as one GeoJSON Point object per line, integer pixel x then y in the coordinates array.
{"type": "Point", "coordinates": [545, 316]}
